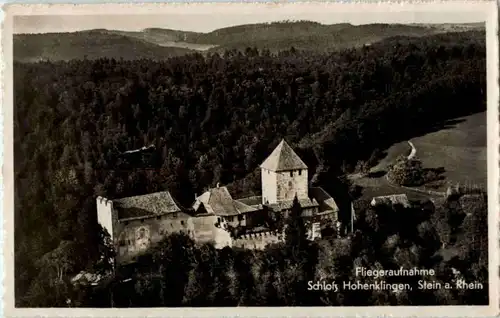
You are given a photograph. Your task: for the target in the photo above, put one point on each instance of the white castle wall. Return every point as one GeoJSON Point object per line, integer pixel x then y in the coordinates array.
{"type": "Point", "coordinates": [268, 184]}
{"type": "Point", "coordinates": [105, 214]}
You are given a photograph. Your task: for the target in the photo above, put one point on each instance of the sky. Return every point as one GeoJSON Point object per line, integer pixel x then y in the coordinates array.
{"type": "Point", "coordinates": [203, 20]}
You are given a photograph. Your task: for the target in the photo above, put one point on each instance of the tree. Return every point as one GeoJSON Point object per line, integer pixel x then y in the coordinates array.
{"type": "Point", "coordinates": [406, 172]}
{"type": "Point", "coordinates": [362, 167]}
{"type": "Point", "coordinates": [106, 261]}
{"type": "Point", "coordinates": [61, 260]}
{"type": "Point", "coordinates": [473, 240]}
{"type": "Point", "coordinates": [295, 231]}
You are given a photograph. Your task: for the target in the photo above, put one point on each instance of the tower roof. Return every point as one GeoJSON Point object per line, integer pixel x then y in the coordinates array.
{"type": "Point", "coordinates": [283, 158]}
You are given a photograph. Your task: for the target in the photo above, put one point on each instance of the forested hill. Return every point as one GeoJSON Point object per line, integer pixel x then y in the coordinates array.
{"type": "Point", "coordinates": [212, 119]}
{"type": "Point", "coordinates": [163, 43]}
{"type": "Point", "coordinates": [87, 44]}
{"type": "Point", "coordinates": [307, 35]}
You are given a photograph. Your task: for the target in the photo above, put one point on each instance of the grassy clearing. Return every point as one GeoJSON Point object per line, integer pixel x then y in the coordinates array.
{"type": "Point", "coordinates": [460, 149]}
{"type": "Point", "coordinates": [373, 187]}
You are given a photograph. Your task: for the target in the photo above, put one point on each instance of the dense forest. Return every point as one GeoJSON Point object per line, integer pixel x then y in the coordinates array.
{"type": "Point", "coordinates": [212, 119]}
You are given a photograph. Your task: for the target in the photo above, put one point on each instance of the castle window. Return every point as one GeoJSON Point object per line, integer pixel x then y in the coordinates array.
{"type": "Point", "coordinates": [243, 245]}
{"type": "Point", "coordinates": [218, 220]}
{"type": "Point", "coordinates": [174, 215]}
{"type": "Point", "coordinates": [268, 171]}
{"type": "Point", "coordinates": [122, 243]}
{"type": "Point", "coordinates": [255, 246]}
{"type": "Point", "coordinates": [240, 217]}
{"type": "Point", "coordinates": [290, 183]}
{"type": "Point", "coordinates": [142, 221]}
{"type": "Point", "coordinates": [291, 173]}
{"type": "Point", "coordinates": [300, 172]}
{"type": "Point", "coordinates": [182, 223]}
{"type": "Point", "coordinates": [158, 217]}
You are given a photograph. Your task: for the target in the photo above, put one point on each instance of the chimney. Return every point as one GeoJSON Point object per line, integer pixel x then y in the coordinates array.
{"type": "Point", "coordinates": [217, 184]}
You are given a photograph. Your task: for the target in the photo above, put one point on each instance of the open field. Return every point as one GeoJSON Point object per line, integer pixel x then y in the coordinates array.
{"type": "Point", "coordinates": [460, 149]}
{"type": "Point", "coordinates": [373, 187]}
{"type": "Point", "coordinates": [164, 39]}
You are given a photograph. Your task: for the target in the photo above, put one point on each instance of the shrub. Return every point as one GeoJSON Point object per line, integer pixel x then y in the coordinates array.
{"type": "Point", "coordinates": [406, 172]}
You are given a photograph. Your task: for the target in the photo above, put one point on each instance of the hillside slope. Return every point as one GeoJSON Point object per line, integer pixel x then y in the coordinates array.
{"type": "Point", "coordinates": [303, 35]}
{"type": "Point", "coordinates": [91, 44]}
{"type": "Point", "coordinates": [158, 44]}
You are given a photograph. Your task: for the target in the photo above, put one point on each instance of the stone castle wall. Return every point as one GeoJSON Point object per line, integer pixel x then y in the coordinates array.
{"type": "Point", "coordinates": [282, 186]}
{"type": "Point", "coordinates": [205, 231]}
{"type": "Point", "coordinates": [257, 240]}
{"type": "Point", "coordinates": [291, 183]}
{"type": "Point", "coordinates": [134, 237]}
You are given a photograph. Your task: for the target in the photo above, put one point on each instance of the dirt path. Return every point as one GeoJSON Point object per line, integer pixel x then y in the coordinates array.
{"type": "Point", "coordinates": [413, 150]}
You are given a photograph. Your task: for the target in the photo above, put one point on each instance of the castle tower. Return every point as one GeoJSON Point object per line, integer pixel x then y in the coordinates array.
{"type": "Point", "coordinates": [284, 175]}
{"type": "Point", "coordinates": [106, 215]}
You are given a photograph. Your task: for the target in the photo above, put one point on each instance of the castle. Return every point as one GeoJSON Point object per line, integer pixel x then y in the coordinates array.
{"type": "Point", "coordinates": [136, 223]}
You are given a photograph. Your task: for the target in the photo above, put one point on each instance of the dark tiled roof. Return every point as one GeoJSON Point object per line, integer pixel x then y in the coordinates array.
{"type": "Point", "coordinates": [283, 158]}
{"type": "Point", "coordinates": [285, 205]}
{"type": "Point", "coordinates": [146, 205]}
{"type": "Point", "coordinates": [219, 202]}
{"type": "Point", "coordinates": [361, 204]}
{"type": "Point", "coordinates": [243, 208]}
{"type": "Point", "coordinates": [255, 200]}
{"type": "Point", "coordinates": [128, 213]}
{"type": "Point", "coordinates": [326, 202]}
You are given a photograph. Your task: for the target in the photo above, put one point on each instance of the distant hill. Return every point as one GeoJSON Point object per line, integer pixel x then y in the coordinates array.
{"type": "Point", "coordinates": [163, 43]}
{"type": "Point", "coordinates": [304, 35]}
{"type": "Point", "coordinates": [167, 38]}
{"type": "Point", "coordinates": [316, 36]}
{"type": "Point", "coordinates": [90, 44]}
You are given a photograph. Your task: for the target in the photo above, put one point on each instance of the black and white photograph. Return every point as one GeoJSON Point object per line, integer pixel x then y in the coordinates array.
{"type": "Point", "coordinates": [282, 156]}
